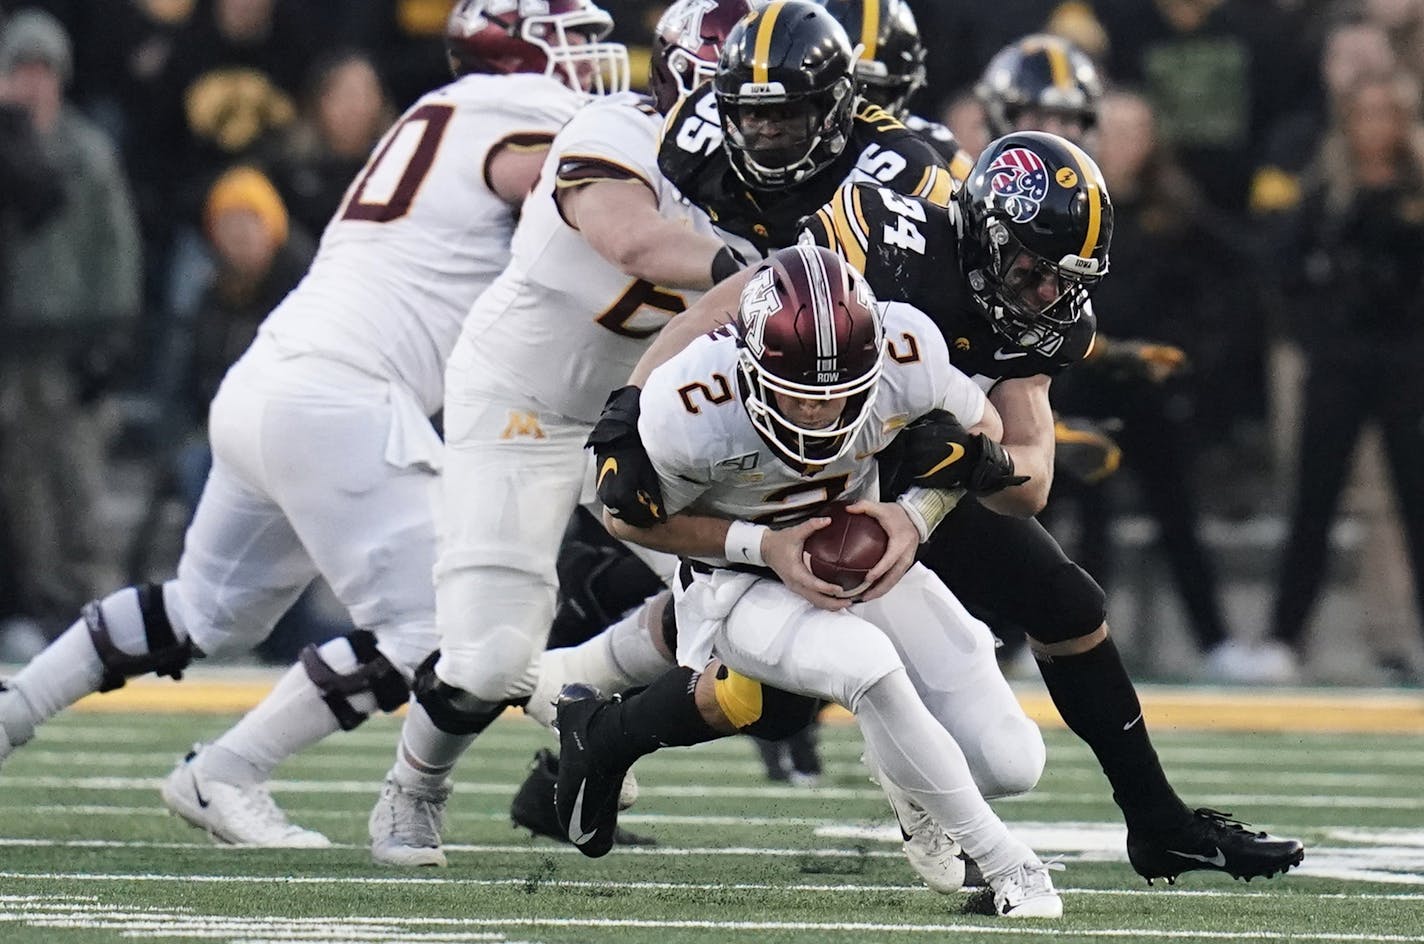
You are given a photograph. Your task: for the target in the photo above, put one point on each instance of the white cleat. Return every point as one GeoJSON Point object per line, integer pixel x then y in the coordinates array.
{"type": "Point", "coordinates": [1026, 892]}
{"type": "Point", "coordinates": [405, 825]}
{"type": "Point", "coordinates": [17, 730]}
{"type": "Point", "coordinates": [238, 816]}
{"type": "Point", "coordinates": [935, 857]}
{"type": "Point", "coordinates": [627, 794]}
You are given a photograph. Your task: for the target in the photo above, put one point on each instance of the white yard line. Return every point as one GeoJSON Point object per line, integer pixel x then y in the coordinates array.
{"type": "Point", "coordinates": [763, 792]}
{"type": "Point", "coordinates": [838, 888]}
{"type": "Point", "coordinates": [670, 767]}
{"type": "Point", "coordinates": [242, 930]}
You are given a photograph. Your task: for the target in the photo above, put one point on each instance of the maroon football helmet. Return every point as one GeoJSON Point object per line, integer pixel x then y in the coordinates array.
{"type": "Point", "coordinates": [504, 36]}
{"type": "Point", "coordinates": [686, 46]}
{"type": "Point", "coordinates": [808, 329]}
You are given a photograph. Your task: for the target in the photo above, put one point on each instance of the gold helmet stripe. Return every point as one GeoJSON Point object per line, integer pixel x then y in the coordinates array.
{"type": "Point", "coordinates": [869, 28]}
{"type": "Point", "coordinates": [1095, 199]}
{"type": "Point", "coordinates": [761, 52]}
{"type": "Point", "coordinates": [1058, 64]}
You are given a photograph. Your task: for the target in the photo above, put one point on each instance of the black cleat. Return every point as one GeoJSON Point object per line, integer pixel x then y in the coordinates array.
{"type": "Point", "coordinates": [533, 806]}
{"type": "Point", "coordinates": [585, 791]}
{"type": "Point", "coordinates": [1214, 841]}
{"type": "Point", "coordinates": [973, 875]}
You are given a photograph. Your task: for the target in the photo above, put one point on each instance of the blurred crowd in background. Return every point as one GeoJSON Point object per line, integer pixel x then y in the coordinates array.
{"type": "Point", "coordinates": [166, 167]}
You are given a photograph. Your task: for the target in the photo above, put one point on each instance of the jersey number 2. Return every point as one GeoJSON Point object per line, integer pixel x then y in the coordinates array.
{"type": "Point", "coordinates": [388, 184]}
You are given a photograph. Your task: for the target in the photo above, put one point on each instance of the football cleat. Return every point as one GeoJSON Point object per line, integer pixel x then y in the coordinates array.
{"type": "Point", "coordinates": [1025, 891]}
{"type": "Point", "coordinates": [1211, 840]}
{"type": "Point", "coordinates": [586, 791]}
{"type": "Point", "coordinates": [238, 816]}
{"type": "Point", "coordinates": [935, 857]}
{"type": "Point", "coordinates": [405, 825]}
{"type": "Point", "coordinates": [15, 728]}
{"type": "Point", "coordinates": [533, 805]}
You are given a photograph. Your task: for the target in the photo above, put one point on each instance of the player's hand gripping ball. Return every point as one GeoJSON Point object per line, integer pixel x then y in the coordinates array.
{"type": "Point", "coordinates": [845, 550]}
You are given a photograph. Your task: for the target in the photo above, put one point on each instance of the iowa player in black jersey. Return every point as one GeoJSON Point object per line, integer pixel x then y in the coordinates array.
{"type": "Point", "coordinates": [1006, 273]}
{"type": "Point", "coordinates": [780, 127]}
{"type": "Point", "coordinates": [891, 69]}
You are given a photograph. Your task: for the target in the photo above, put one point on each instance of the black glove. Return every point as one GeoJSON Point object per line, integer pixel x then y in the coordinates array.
{"type": "Point", "coordinates": [1084, 450]}
{"type": "Point", "coordinates": [941, 453]}
{"type": "Point", "coordinates": [627, 482]}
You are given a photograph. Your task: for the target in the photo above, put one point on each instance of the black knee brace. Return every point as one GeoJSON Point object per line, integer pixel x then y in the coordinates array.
{"type": "Point", "coordinates": [373, 673]}
{"type": "Point", "coordinates": [1068, 604]}
{"type": "Point", "coordinates": [669, 626]}
{"type": "Point", "coordinates": [453, 710]}
{"type": "Point", "coordinates": [760, 710]}
{"type": "Point", "coordinates": [165, 655]}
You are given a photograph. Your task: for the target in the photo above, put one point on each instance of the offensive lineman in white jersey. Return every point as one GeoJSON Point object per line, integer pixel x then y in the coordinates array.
{"type": "Point", "coordinates": [606, 251]}
{"type": "Point", "coordinates": [324, 460]}
{"type": "Point", "coordinates": [765, 422]}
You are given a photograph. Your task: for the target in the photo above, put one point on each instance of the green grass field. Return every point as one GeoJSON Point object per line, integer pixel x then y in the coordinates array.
{"type": "Point", "coordinates": [87, 853]}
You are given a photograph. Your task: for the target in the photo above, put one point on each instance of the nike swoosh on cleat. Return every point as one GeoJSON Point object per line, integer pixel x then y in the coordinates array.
{"type": "Point", "coordinates": [1129, 725]}
{"type": "Point", "coordinates": [1218, 860]}
{"type": "Point", "coordinates": [576, 834]}
{"type": "Point", "coordinates": [1003, 355]}
{"type": "Point", "coordinates": [198, 792]}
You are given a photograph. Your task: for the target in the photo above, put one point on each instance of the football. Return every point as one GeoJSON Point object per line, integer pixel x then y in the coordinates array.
{"type": "Point", "coordinates": [845, 550]}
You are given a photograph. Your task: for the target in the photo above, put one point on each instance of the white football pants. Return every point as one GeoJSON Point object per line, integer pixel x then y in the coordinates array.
{"type": "Point", "coordinates": [764, 631]}
{"type": "Point", "coordinates": [318, 468]}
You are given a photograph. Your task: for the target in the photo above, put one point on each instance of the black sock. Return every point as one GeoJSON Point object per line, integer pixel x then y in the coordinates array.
{"type": "Point", "coordinates": [662, 715]}
{"type": "Point", "coordinates": [1095, 697]}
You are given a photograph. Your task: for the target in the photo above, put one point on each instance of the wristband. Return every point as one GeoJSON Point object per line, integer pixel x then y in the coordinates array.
{"type": "Point", "coordinates": [927, 507]}
{"type": "Point", "coordinates": [743, 544]}
{"type": "Point", "coordinates": [724, 265]}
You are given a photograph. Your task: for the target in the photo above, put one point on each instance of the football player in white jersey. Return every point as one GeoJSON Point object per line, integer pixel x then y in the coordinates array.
{"type": "Point", "coordinates": [764, 423]}
{"type": "Point", "coordinates": [324, 460]}
{"type": "Point", "coordinates": [605, 252]}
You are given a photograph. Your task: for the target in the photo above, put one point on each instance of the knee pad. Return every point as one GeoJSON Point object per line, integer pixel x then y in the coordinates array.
{"type": "Point", "coordinates": [373, 673]}
{"type": "Point", "coordinates": [166, 654]}
{"type": "Point", "coordinates": [760, 710]}
{"type": "Point", "coordinates": [1068, 604]}
{"type": "Point", "coordinates": [452, 710]}
{"type": "Point", "coordinates": [1010, 757]}
{"type": "Point", "coordinates": [600, 579]}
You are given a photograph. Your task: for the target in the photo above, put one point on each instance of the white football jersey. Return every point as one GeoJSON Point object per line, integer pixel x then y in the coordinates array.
{"type": "Point", "coordinates": [711, 461]}
{"type": "Point", "coordinates": [562, 326]}
{"type": "Point", "coordinates": [420, 233]}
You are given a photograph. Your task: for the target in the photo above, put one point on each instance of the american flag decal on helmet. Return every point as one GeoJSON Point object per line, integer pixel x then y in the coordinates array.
{"type": "Point", "coordinates": [1019, 179]}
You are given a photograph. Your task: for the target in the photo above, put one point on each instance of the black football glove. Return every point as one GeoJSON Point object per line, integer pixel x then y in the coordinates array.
{"type": "Point", "coordinates": [941, 453]}
{"type": "Point", "coordinates": [1084, 451]}
{"type": "Point", "coordinates": [627, 482]}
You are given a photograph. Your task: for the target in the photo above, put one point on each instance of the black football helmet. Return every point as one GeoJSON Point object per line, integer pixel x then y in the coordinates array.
{"type": "Point", "coordinates": [1044, 74]}
{"type": "Point", "coordinates": [1036, 222]}
{"type": "Point", "coordinates": [785, 92]}
{"type": "Point", "coordinates": [808, 329]}
{"type": "Point", "coordinates": [687, 44]}
{"type": "Point", "coordinates": [891, 67]}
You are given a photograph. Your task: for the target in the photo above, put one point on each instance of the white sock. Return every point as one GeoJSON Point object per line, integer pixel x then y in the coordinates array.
{"type": "Point", "coordinates": [918, 755]}
{"type": "Point", "coordinates": [290, 719]}
{"type": "Point", "coordinates": [69, 668]}
{"type": "Point", "coordinates": [619, 658]}
{"type": "Point", "coordinates": [426, 755]}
